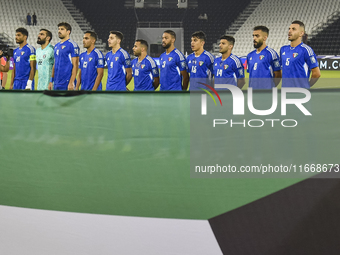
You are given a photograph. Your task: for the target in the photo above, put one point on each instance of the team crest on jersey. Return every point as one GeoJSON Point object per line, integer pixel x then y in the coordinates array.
{"type": "Point", "coordinates": [142, 66]}
{"type": "Point", "coordinates": [63, 47]}
{"type": "Point", "coordinates": [201, 63]}
{"type": "Point", "coordinates": [261, 57]}
{"type": "Point", "coordinates": [295, 55]}
{"type": "Point", "coordinates": [226, 67]}
{"type": "Point", "coordinates": [284, 53]}
{"type": "Point", "coordinates": [90, 59]}
{"type": "Point", "coordinates": [44, 56]}
{"type": "Point", "coordinates": [169, 59]}
{"type": "Point", "coordinates": [189, 61]}
{"type": "Point", "coordinates": [22, 53]}
{"type": "Point", "coordinates": [116, 58]}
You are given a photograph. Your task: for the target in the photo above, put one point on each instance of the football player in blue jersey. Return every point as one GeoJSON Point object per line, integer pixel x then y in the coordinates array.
{"type": "Point", "coordinates": [24, 62]}
{"type": "Point", "coordinates": [200, 62]}
{"type": "Point", "coordinates": [144, 68]}
{"type": "Point", "coordinates": [298, 60]}
{"type": "Point", "coordinates": [119, 72]}
{"type": "Point", "coordinates": [91, 64]}
{"type": "Point", "coordinates": [263, 64]}
{"type": "Point", "coordinates": [228, 68]}
{"type": "Point", "coordinates": [66, 58]}
{"type": "Point", "coordinates": [173, 74]}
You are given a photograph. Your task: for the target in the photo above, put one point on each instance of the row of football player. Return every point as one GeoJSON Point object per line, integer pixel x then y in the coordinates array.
{"type": "Point", "coordinates": [58, 66]}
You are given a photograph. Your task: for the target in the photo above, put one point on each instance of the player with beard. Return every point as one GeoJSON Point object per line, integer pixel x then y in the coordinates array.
{"type": "Point", "coordinates": [298, 60]}
{"type": "Point", "coordinates": [91, 64]}
{"type": "Point", "coordinates": [66, 58]}
{"type": "Point", "coordinates": [263, 64]}
{"type": "Point", "coordinates": [24, 62]}
{"type": "Point", "coordinates": [45, 59]}
{"type": "Point", "coordinates": [228, 68]}
{"type": "Point", "coordinates": [119, 72]}
{"type": "Point", "coordinates": [174, 75]}
{"type": "Point", "coordinates": [144, 68]}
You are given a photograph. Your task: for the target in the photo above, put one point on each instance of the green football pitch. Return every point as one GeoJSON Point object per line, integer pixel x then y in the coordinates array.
{"type": "Point", "coordinates": [324, 74]}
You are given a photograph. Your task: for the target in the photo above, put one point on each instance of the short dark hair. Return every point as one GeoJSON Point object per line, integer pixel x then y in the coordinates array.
{"type": "Point", "coordinates": [262, 28]}
{"type": "Point", "coordinates": [66, 26]}
{"type": "Point", "coordinates": [22, 30]}
{"type": "Point", "coordinates": [118, 34]}
{"type": "Point", "coordinates": [48, 33]}
{"type": "Point", "coordinates": [200, 35]}
{"type": "Point", "coordinates": [170, 32]}
{"type": "Point", "coordinates": [92, 34]}
{"type": "Point", "coordinates": [229, 38]}
{"type": "Point", "coordinates": [143, 42]}
{"type": "Point", "coordinates": [300, 23]}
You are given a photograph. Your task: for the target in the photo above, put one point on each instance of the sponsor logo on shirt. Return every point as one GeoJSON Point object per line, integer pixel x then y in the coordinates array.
{"type": "Point", "coordinates": [100, 62]}
{"type": "Point", "coordinates": [295, 55]}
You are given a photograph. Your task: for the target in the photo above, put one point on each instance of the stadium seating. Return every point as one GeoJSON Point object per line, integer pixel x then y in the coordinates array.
{"type": "Point", "coordinates": [115, 16]}
{"type": "Point", "coordinates": [327, 42]}
{"type": "Point", "coordinates": [277, 16]}
{"type": "Point", "coordinates": [49, 14]}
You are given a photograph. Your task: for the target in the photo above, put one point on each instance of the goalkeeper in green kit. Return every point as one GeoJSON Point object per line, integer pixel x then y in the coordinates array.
{"type": "Point", "coordinates": [45, 59]}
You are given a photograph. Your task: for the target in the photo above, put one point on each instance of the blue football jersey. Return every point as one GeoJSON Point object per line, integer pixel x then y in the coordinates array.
{"type": "Point", "coordinates": [144, 73]}
{"type": "Point", "coordinates": [171, 66]}
{"type": "Point", "coordinates": [88, 64]}
{"type": "Point", "coordinates": [200, 68]}
{"type": "Point", "coordinates": [63, 54]}
{"type": "Point", "coordinates": [297, 63]}
{"type": "Point", "coordinates": [261, 67]}
{"type": "Point", "coordinates": [228, 71]}
{"type": "Point", "coordinates": [22, 58]}
{"type": "Point", "coordinates": [116, 64]}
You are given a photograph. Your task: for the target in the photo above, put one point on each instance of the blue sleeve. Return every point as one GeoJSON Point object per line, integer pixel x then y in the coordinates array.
{"type": "Point", "coordinates": [238, 69]}
{"type": "Point", "coordinates": [74, 50]}
{"type": "Point", "coordinates": [181, 62]}
{"type": "Point", "coordinates": [310, 58]}
{"type": "Point", "coordinates": [100, 60]}
{"type": "Point", "coordinates": [154, 68]}
{"type": "Point", "coordinates": [275, 63]}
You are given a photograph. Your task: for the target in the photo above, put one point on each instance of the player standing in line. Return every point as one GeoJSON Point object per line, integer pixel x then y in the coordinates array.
{"type": "Point", "coordinates": [263, 63]}
{"type": "Point", "coordinates": [91, 64]}
{"type": "Point", "coordinates": [174, 75]}
{"type": "Point", "coordinates": [119, 73]}
{"type": "Point", "coordinates": [200, 62]}
{"type": "Point", "coordinates": [144, 68]}
{"type": "Point", "coordinates": [228, 68]}
{"type": "Point", "coordinates": [24, 62]}
{"type": "Point", "coordinates": [298, 60]}
{"type": "Point", "coordinates": [4, 68]}
{"type": "Point", "coordinates": [45, 59]}
{"type": "Point", "coordinates": [66, 58]}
